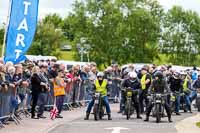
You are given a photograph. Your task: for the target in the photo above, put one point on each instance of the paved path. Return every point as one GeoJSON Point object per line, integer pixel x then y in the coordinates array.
{"type": "Point", "coordinates": [73, 123]}
{"type": "Point", "coordinates": [42, 125]}
{"type": "Point", "coordinates": [188, 125]}
{"type": "Point", "coordinates": [133, 125]}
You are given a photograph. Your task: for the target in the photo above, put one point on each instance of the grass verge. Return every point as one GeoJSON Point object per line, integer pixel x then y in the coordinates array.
{"type": "Point", "coordinates": [198, 124]}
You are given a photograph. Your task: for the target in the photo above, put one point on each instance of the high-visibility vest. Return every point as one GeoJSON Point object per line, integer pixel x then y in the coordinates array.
{"type": "Point", "coordinates": [185, 85]}
{"type": "Point", "coordinates": [101, 88]}
{"type": "Point", "coordinates": [143, 82]}
{"type": "Point", "coordinates": [58, 89]}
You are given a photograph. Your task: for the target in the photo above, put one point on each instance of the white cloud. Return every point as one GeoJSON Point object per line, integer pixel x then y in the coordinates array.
{"type": "Point", "coordinates": [186, 4]}
{"type": "Point", "coordinates": [61, 7]}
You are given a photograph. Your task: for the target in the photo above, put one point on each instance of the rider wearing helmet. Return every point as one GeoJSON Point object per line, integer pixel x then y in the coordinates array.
{"type": "Point", "coordinates": [133, 83]}
{"type": "Point", "coordinates": [176, 86]}
{"type": "Point", "coordinates": [100, 85]}
{"type": "Point", "coordinates": [187, 90]}
{"type": "Point", "coordinates": [159, 85]}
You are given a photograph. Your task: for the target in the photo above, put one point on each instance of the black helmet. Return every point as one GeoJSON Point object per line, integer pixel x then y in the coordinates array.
{"type": "Point", "coordinates": [159, 74]}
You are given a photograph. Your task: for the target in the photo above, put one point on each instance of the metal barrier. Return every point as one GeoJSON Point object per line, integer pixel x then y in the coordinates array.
{"type": "Point", "coordinates": [78, 93]}
{"type": "Point", "coordinates": [5, 102]}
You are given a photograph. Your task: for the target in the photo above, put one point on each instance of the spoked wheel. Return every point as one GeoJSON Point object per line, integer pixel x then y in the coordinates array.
{"type": "Point", "coordinates": [128, 110]}
{"type": "Point", "coordinates": [96, 113]}
{"type": "Point", "coordinates": [158, 116]}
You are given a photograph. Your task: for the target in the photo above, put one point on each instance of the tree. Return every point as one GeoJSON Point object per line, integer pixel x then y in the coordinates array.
{"type": "Point", "coordinates": [47, 40]}
{"type": "Point", "coordinates": [54, 19]}
{"type": "Point", "coordinates": [181, 36]}
{"type": "Point", "coordinates": [123, 31]}
{"type": "Point", "coordinates": [1, 36]}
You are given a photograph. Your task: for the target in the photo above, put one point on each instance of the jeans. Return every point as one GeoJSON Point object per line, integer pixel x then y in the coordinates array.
{"type": "Point", "coordinates": [122, 101]}
{"type": "Point", "coordinates": [34, 104]}
{"type": "Point", "coordinates": [42, 98]}
{"type": "Point", "coordinates": [193, 95]}
{"type": "Point", "coordinates": [59, 103]}
{"type": "Point", "coordinates": [187, 102]}
{"type": "Point", "coordinates": [177, 104]}
{"type": "Point", "coordinates": [105, 101]}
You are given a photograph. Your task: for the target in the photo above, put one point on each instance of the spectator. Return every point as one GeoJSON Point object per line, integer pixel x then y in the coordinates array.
{"type": "Point", "coordinates": [36, 84]}
{"type": "Point", "coordinates": [59, 92]}
{"type": "Point", "coordinates": [42, 98]}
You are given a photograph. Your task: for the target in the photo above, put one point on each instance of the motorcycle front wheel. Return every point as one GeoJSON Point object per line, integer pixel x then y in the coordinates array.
{"type": "Point", "coordinates": [96, 112]}
{"type": "Point", "coordinates": [128, 110]}
{"type": "Point", "coordinates": [158, 115]}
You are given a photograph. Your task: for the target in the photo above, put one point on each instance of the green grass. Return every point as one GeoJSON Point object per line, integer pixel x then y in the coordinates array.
{"type": "Point", "coordinates": [198, 124]}
{"type": "Point", "coordinates": [67, 55]}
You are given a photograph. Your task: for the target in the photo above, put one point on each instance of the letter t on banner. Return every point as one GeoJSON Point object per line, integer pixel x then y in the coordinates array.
{"type": "Point", "coordinates": [21, 29]}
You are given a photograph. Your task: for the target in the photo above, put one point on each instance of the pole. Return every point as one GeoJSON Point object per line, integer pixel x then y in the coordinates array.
{"type": "Point", "coordinates": [6, 29]}
{"type": "Point", "coordinates": [88, 55]}
{"type": "Point", "coordinates": [82, 50]}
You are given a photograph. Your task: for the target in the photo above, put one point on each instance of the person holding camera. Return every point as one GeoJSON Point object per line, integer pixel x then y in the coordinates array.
{"type": "Point", "coordinates": [37, 87]}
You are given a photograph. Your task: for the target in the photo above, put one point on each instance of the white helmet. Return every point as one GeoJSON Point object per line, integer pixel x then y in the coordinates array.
{"type": "Point", "coordinates": [132, 74]}
{"type": "Point", "coordinates": [100, 74]}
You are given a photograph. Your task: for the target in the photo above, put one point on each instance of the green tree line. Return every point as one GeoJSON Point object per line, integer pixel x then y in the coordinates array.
{"type": "Point", "coordinates": [123, 31]}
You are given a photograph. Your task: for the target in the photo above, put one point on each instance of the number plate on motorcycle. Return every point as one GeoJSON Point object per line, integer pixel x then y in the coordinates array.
{"type": "Point", "coordinates": [129, 94]}
{"type": "Point", "coordinates": [158, 101]}
{"type": "Point", "coordinates": [173, 98]}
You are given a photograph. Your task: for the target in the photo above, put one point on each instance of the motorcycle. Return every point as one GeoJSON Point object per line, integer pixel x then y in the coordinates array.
{"type": "Point", "coordinates": [129, 107]}
{"type": "Point", "coordinates": [198, 100]}
{"type": "Point", "coordinates": [182, 101]}
{"type": "Point", "coordinates": [99, 108]}
{"type": "Point", "coordinates": [158, 108]}
{"type": "Point", "coordinates": [172, 102]}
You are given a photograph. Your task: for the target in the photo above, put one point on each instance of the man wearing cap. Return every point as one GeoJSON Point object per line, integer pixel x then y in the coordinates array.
{"type": "Point", "coordinates": [145, 84]}
{"type": "Point", "coordinates": [187, 89]}
{"type": "Point", "coordinates": [42, 98]}
{"type": "Point", "coordinates": [176, 87]}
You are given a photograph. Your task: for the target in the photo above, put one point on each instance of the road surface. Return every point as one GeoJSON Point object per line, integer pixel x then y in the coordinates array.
{"type": "Point", "coordinates": [119, 124]}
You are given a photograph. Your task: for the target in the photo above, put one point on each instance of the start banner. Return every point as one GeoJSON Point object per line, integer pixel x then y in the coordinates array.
{"type": "Point", "coordinates": [21, 29]}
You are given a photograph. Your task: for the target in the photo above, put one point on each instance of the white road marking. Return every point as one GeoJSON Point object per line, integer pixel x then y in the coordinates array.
{"type": "Point", "coordinates": [116, 129]}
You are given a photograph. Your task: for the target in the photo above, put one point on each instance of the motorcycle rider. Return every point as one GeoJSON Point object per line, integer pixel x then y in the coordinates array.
{"type": "Point", "coordinates": [145, 84]}
{"type": "Point", "coordinates": [194, 74]}
{"type": "Point", "coordinates": [195, 86]}
{"type": "Point", "coordinates": [159, 85]}
{"type": "Point", "coordinates": [176, 87]}
{"type": "Point", "coordinates": [100, 85]}
{"type": "Point", "coordinates": [133, 83]}
{"type": "Point", "coordinates": [187, 90]}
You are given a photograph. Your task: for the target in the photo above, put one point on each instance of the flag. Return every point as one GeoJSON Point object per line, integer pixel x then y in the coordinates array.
{"type": "Point", "coordinates": [21, 29]}
{"type": "Point", "coordinates": [53, 112]}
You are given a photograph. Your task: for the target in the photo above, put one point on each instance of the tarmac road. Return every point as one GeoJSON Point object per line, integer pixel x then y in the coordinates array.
{"type": "Point", "coordinates": [119, 124]}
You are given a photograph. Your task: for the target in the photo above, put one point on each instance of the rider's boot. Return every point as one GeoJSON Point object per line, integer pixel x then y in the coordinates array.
{"type": "Point", "coordinates": [147, 118]}
{"type": "Point", "coordinates": [109, 117]}
{"type": "Point", "coordinates": [170, 119]}
{"type": "Point", "coordinates": [138, 116]}
{"type": "Point", "coordinates": [177, 113]}
{"type": "Point", "coordinates": [87, 116]}
{"type": "Point", "coordinates": [190, 109]}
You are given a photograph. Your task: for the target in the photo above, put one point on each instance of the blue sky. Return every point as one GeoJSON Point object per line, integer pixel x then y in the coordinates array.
{"type": "Point", "coordinates": [62, 7]}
